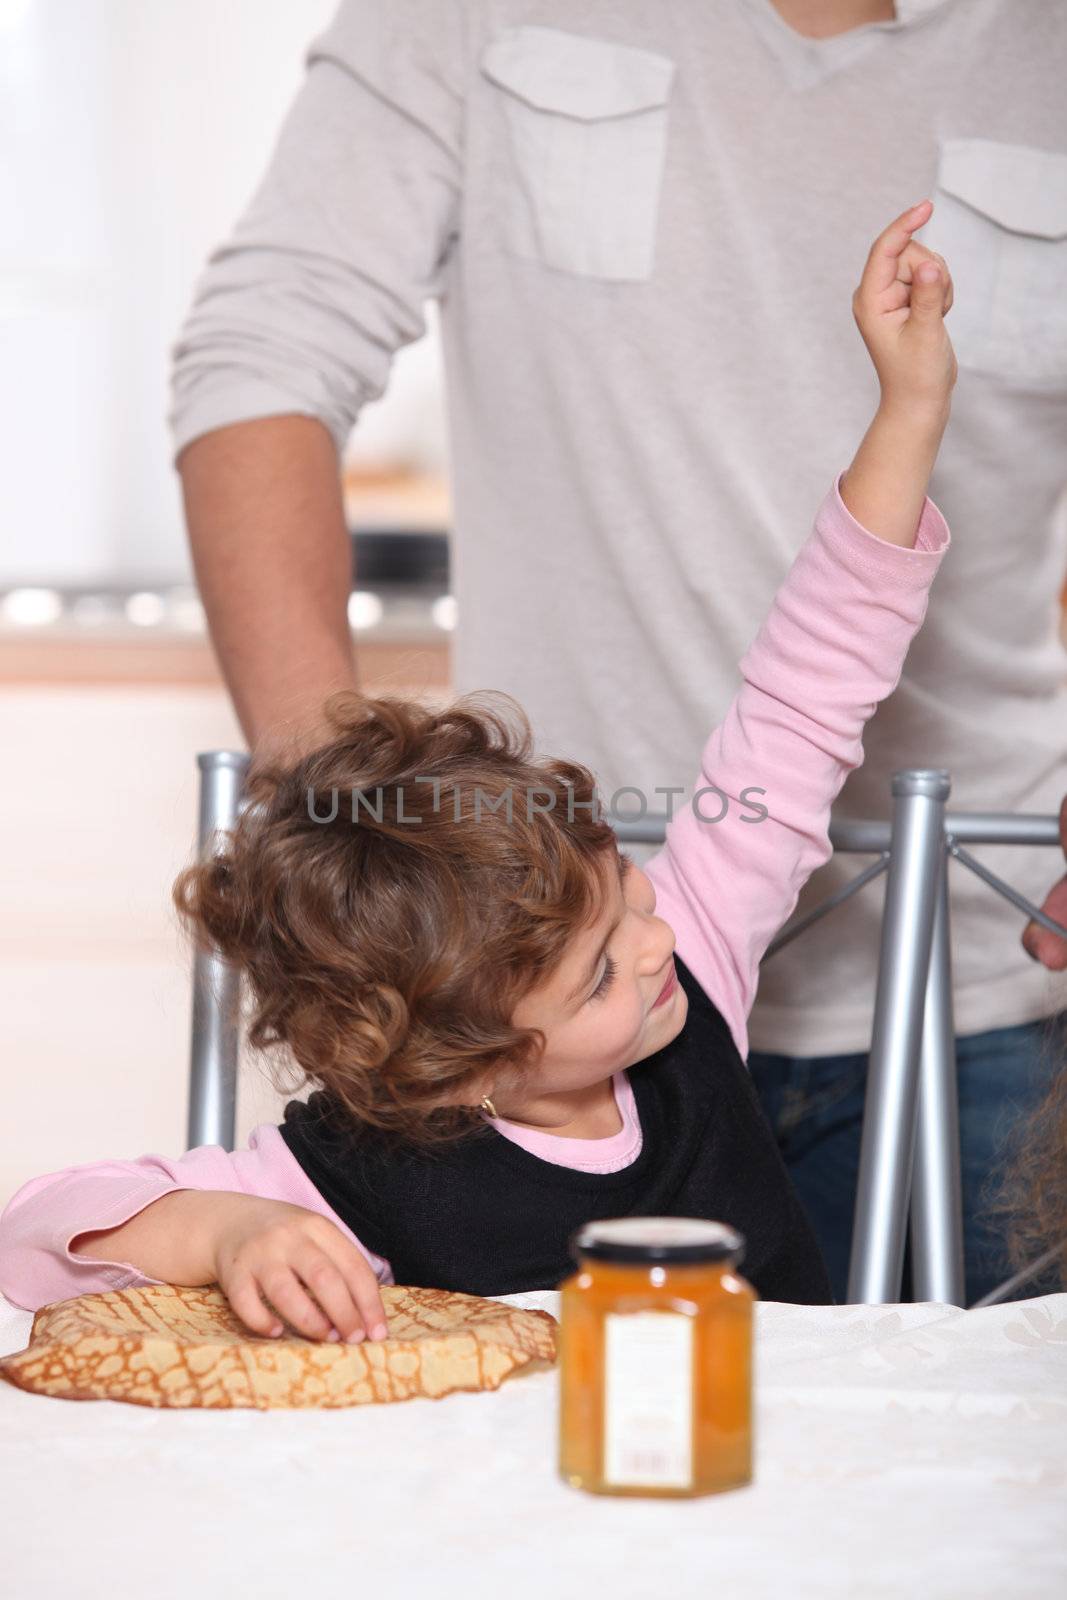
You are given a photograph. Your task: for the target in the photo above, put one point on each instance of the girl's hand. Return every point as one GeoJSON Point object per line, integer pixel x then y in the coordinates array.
{"type": "Point", "coordinates": [282, 1251]}
{"type": "Point", "coordinates": [901, 320]}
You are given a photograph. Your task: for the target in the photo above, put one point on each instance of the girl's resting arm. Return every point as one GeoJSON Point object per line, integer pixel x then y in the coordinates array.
{"type": "Point", "coordinates": [42, 1218]}
{"type": "Point", "coordinates": [831, 648]}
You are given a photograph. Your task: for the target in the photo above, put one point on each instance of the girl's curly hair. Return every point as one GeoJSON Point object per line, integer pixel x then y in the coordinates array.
{"type": "Point", "coordinates": [391, 896]}
{"type": "Point", "coordinates": [1031, 1197]}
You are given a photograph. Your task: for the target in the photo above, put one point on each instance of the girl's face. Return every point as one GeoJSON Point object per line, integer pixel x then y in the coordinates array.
{"type": "Point", "coordinates": [598, 1011]}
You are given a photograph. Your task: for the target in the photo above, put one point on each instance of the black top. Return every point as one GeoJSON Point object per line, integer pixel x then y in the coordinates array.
{"type": "Point", "coordinates": [484, 1216]}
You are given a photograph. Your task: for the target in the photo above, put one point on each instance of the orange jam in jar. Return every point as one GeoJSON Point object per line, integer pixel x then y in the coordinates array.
{"type": "Point", "coordinates": [656, 1359]}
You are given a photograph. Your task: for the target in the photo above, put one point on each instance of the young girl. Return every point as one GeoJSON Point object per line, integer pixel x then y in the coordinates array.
{"type": "Point", "coordinates": [514, 1028]}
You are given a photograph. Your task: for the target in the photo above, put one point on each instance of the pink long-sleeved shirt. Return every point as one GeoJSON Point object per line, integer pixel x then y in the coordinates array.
{"type": "Point", "coordinates": [832, 647]}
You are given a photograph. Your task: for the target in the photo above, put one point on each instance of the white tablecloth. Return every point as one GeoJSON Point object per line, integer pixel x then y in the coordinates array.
{"type": "Point", "coordinates": [911, 1450]}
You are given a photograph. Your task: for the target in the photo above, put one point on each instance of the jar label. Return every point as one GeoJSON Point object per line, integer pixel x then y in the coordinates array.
{"type": "Point", "coordinates": [648, 1399]}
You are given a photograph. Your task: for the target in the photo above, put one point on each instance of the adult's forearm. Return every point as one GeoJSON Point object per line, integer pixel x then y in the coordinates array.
{"type": "Point", "coordinates": [272, 557]}
{"type": "Point", "coordinates": [885, 486]}
{"type": "Point", "coordinates": [172, 1239]}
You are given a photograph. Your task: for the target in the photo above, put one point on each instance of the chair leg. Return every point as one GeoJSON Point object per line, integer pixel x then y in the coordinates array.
{"type": "Point", "coordinates": [916, 850]}
{"type": "Point", "coordinates": [936, 1200]}
{"type": "Point", "coordinates": [216, 985]}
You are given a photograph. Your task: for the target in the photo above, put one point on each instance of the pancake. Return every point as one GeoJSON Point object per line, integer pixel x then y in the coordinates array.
{"type": "Point", "coordinates": [166, 1345]}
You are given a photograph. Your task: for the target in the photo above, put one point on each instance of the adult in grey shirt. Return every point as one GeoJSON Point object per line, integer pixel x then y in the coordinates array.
{"type": "Point", "coordinates": [643, 224]}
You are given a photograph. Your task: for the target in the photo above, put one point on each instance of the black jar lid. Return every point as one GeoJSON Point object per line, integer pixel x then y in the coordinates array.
{"type": "Point", "coordinates": [657, 1239]}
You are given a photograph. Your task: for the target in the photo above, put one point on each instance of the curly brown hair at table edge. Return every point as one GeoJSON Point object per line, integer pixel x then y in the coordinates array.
{"type": "Point", "coordinates": [1031, 1197]}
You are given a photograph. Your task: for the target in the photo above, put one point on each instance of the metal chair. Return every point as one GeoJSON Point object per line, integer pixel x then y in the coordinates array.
{"type": "Point", "coordinates": [909, 1154]}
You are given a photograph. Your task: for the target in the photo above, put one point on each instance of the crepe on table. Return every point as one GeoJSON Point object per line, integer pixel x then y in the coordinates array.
{"type": "Point", "coordinates": [166, 1345]}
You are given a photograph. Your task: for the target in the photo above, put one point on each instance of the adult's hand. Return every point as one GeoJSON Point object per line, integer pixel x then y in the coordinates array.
{"type": "Point", "coordinates": [1046, 947]}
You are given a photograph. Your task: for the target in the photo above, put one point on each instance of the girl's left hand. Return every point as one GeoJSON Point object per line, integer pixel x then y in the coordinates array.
{"type": "Point", "coordinates": [901, 320]}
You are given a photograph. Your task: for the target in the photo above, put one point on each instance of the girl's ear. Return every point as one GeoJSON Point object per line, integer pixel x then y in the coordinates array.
{"type": "Point", "coordinates": [470, 1093]}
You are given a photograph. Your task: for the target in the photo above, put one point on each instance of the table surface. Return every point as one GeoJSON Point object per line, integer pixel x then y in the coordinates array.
{"type": "Point", "coordinates": [912, 1449]}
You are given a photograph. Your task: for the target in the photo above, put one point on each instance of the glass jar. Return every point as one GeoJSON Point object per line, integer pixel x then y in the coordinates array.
{"type": "Point", "coordinates": [656, 1359]}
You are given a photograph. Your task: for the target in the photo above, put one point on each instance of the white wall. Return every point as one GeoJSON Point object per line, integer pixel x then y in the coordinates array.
{"type": "Point", "coordinates": [95, 970]}
{"type": "Point", "coordinates": [132, 133]}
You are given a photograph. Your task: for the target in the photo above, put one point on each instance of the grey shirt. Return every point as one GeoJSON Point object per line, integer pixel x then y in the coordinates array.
{"type": "Point", "coordinates": [643, 224]}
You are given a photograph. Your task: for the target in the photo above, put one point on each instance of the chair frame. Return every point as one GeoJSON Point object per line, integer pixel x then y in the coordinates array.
{"type": "Point", "coordinates": [909, 1153]}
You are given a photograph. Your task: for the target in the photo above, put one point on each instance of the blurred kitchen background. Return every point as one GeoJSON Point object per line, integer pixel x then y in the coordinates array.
{"type": "Point", "coordinates": [132, 133]}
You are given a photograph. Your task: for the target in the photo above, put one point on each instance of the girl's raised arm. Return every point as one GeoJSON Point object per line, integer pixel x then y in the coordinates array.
{"type": "Point", "coordinates": [756, 825]}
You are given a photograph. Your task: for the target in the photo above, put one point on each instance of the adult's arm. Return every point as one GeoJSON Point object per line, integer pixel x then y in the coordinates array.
{"type": "Point", "coordinates": [273, 564]}
{"type": "Point", "coordinates": [293, 327]}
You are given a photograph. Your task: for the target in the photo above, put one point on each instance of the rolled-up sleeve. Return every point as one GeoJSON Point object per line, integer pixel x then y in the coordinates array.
{"type": "Point", "coordinates": [326, 273]}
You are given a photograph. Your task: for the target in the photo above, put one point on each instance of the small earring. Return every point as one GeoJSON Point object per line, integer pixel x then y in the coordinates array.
{"type": "Point", "coordinates": [489, 1106]}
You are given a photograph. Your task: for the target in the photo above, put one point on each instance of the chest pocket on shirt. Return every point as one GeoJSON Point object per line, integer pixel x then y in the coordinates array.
{"type": "Point", "coordinates": [1000, 221]}
{"type": "Point", "coordinates": [587, 126]}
